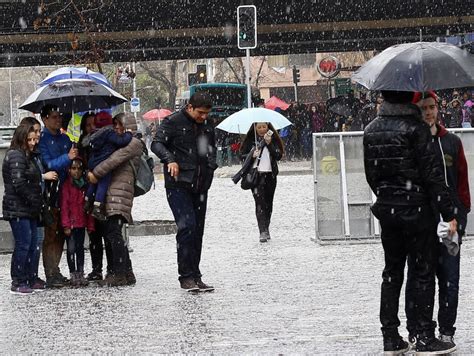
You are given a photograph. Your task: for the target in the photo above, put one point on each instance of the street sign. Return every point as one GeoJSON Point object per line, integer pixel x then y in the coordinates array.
{"type": "Point", "coordinates": [342, 86]}
{"type": "Point", "coordinates": [329, 67]}
{"type": "Point", "coordinates": [135, 105]}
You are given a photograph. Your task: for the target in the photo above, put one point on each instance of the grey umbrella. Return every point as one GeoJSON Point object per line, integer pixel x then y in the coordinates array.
{"type": "Point", "coordinates": [418, 66]}
{"type": "Point", "coordinates": [73, 95]}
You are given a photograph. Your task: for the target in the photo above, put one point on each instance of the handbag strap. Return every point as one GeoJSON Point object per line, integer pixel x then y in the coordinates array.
{"type": "Point", "coordinates": [259, 156]}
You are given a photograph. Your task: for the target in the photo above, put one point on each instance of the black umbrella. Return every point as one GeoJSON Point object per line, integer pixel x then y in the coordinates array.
{"type": "Point", "coordinates": [342, 106]}
{"type": "Point", "coordinates": [419, 66]}
{"type": "Point", "coordinates": [73, 95]}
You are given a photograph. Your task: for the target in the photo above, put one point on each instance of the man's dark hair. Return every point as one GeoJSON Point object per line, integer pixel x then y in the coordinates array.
{"type": "Point", "coordinates": [397, 97]}
{"type": "Point", "coordinates": [201, 100]}
{"type": "Point", "coordinates": [47, 109]}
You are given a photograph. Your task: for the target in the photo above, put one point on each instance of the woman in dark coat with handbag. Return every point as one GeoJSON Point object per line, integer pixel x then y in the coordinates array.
{"type": "Point", "coordinates": [269, 150]}
{"type": "Point", "coordinates": [22, 205]}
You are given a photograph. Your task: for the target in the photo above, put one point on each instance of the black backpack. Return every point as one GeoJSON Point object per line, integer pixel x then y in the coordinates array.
{"type": "Point", "coordinates": [144, 177]}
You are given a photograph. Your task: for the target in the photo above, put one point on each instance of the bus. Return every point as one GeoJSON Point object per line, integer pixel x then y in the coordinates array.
{"type": "Point", "coordinates": [227, 98]}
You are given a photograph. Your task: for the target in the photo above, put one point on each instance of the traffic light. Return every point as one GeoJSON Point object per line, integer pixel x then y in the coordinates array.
{"type": "Point", "coordinates": [296, 75]}
{"type": "Point", "coordinates": [192, 79]}
{"type": "Point", "coordinates": [246, 26]}
{"type": "Point", "coordinates": [201, 73]}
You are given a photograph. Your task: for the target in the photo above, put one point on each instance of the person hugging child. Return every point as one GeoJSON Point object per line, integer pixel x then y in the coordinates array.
{"type": "Point", "coordinates": [103, 142]}
{"type": "Point", "coordinates": [75, 220]}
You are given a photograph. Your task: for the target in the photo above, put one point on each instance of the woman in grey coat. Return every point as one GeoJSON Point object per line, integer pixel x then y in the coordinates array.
{"type": "Point", "coordinates": [119, 199]}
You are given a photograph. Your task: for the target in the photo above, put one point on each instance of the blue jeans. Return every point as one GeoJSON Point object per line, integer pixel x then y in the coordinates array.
{"type": "Point", "coordinates": [448, 285]}
{"type": "Point", "coordinates": [37, 254]}
{"type": "Point", "coordinates": [97, 192]}
{"type": "Point", "coordinates": [189, 211]}
{"type": "Point", "coordinates": [75, 250]}
{"type": "Point", "coordinates": [25, 234]}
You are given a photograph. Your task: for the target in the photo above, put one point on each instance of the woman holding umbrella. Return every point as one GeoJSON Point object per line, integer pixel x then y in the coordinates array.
{"type": "Point", "coordinates": [268, 150]}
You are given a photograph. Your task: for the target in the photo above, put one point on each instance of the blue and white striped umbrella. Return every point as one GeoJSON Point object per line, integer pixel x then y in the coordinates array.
{"type": "Point", "coordinates": [73, 95]}
{"type": "Point", "coordinates": [75, 73]}
{"type": "Point", "coordinates": [241, 121]}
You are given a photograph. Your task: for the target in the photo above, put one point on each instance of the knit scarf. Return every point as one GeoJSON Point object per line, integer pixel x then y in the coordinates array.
{"type": "Point", "coordinates": [79, 183]}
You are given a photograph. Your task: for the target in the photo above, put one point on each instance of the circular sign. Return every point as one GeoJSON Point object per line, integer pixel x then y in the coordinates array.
{"type": "Point", "coordinates": [135, 101]}
{"type": "Point", "coordinates": [329, 67]}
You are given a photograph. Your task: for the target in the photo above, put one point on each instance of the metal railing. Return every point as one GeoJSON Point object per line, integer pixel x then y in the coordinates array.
{"type": "Point", "coordinates": [342, 196]}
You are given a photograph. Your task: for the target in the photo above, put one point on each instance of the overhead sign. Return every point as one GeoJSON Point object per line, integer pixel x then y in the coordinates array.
{"type": "Point", "coordinates": [329, 67]}
{"type": "Point", "coordinates": [135, 105]}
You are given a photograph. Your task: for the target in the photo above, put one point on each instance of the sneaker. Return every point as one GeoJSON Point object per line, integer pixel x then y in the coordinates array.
{"type": "Point", "coordinates": [203, 287]}
{"type": "Point", "coordinates": [98, 212]}
{"type": "Point", "coordinates": [189, 284]}
{"type": "Point", "coordinates": [130, 276]}
{"type": "Point", "coordinates": [21, 289]}
{"type": "Point", "coordinates": [264, 236]}
{"type": "Point", "coordinates": [114, 280]}
{"type": "Point", "coordinates": [74, 281]}
{"type": "Point", "coordinates": [433, 346]}
{"type": "Point", "coordinates": [94, 276]}
{"type": "Point", "coordinates": [38, 285]}
{"type": "Point", "coordinates": [449, 339]}
{"type": "Point", "coordinates": [395, 346]}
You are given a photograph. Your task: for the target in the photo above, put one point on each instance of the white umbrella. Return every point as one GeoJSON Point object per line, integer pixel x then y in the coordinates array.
{"type": "Point", "coordinates": [240, 122]}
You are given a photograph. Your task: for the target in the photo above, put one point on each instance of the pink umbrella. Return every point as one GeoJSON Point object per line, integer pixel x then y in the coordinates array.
{"type": "Point", "coordinates": [275, 102]}
{"type": "Point", "coordinates": [156, 114]}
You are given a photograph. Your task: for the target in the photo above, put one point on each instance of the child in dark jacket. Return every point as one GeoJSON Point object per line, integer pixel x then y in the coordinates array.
{"type": "Point", "coordinates": [74, 221]}
{"type": "Point", "coordinates": [103, 142]}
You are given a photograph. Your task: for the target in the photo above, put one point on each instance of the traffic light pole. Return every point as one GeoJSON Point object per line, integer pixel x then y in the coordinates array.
{"type": "Point", "coordinates": [296, 92]}
{"type": "Point", "coordinates": [247, 79]}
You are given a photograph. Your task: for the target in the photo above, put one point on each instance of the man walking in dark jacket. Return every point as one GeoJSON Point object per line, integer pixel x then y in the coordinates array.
{"type": "Point", "coordinates": [185, 143]}
{"type": "Point", "coordinates": [406, 175]}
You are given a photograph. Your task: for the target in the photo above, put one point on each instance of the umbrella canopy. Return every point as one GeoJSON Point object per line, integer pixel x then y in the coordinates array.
{"type": "Point", "coordinates": [342, 106]}
{"type": "Point", "coordinates": [73, 95]}
{"type": "Point", "coordinates": [241, 121]}
{"type": "Point", "coordinates": [75, 73]}
{"type": "Point", "coordinates": [275, 102]}
{"type": "Point", "coordinates": [418, 66]}
{"type": "Point", "coordinates": [156, 114]}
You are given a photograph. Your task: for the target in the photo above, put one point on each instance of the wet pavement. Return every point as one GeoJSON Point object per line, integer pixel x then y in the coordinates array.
{"type": "Point", "coordinates": [287, 296]}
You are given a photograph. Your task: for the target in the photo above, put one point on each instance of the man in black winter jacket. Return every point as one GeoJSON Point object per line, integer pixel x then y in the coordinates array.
{"type": "Point", "coordinates": [406, 175]}
{"type": "Point", "coordinates": [185, 143]}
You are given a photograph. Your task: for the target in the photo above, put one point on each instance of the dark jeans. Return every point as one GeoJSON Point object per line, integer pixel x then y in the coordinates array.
{"type": "Point", "coordinates": [189, 211]}
{"type": "Point", "coordinates": [96, 247]}
{"type": "Point", "coordinates": [75, 250]}
{"type": "Point", "coordinates": [417, 243]}
{"type": "Point", "coordinates": [37, 254]}
{"type": "Point", "coordinates": [121, 262]}
{"type": "Point", "coordinates": [447, 271]}
{"type": "Point", "coordinates": [97, 192]}
{"type": "Point", "coordinates": [25, 235]}
{"type": "Point", "coordinates": [53, 246]}
{"type": "Point", "coordinates": [263, 195]}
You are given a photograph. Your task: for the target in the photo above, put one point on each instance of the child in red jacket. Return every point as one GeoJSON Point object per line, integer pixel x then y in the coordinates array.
{"type": "Point", "coordinates": [74, 221]}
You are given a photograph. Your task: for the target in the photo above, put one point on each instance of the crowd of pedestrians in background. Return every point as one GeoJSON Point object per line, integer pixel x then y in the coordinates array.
{"type": "Point", "coordinates": [455, 111]}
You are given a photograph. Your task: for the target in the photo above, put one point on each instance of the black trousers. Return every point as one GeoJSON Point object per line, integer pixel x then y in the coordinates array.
{"type": "Point", "coordinates": [96, 248]}
{"type": "Point", "coordinates": [121, 263]}
{"type": "Point", "coordinates": [416, 242]}
{"type": "Point", "coordinates": [263, 195]}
